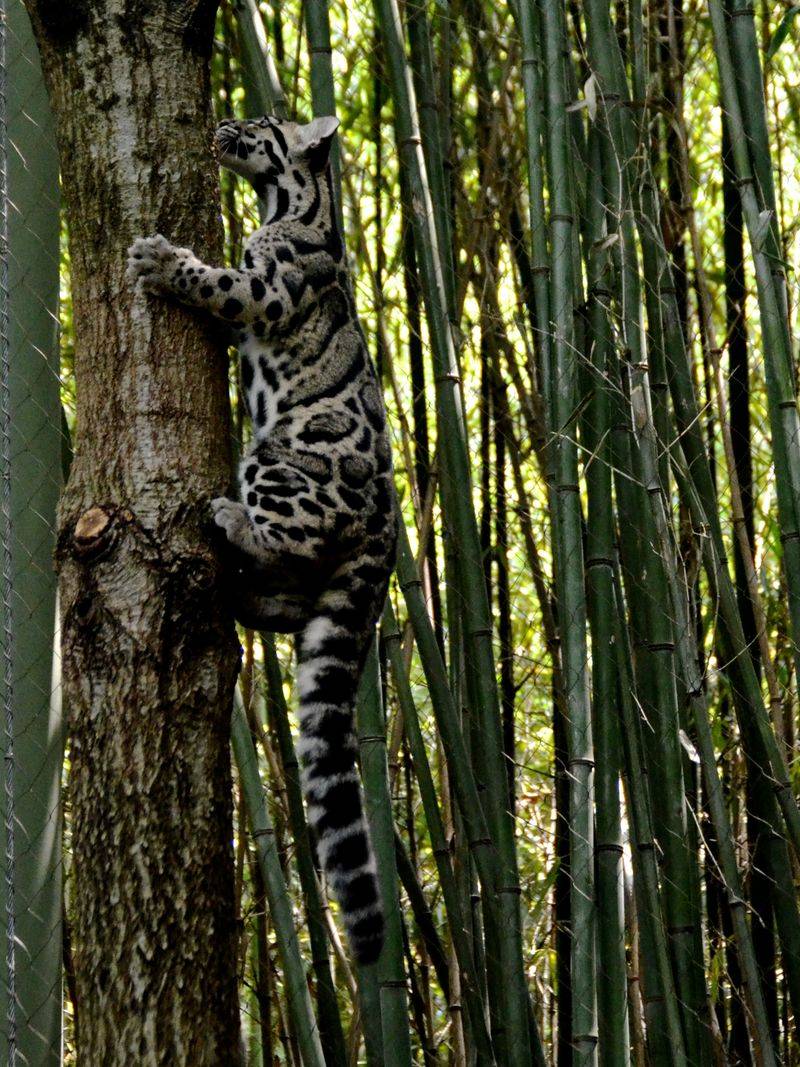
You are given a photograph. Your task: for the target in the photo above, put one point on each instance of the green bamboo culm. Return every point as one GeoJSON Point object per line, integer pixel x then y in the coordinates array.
{"type": "Point", "coordinates": [460, 516]}
{"type": "Point", "coordinates": [330, 1025]}
{"type": "Point", "coordinates": [262, 83]}
{"type": "Point", "coordinates": [457, 921]}
{"type": "Point", "coordinates": [757, 736]}
{"type": "Point", "coordinates": [751, 981]}
{"type": "Point", "coordinates": [641, 503]}
{"type": "Point", "coordinates": [280, 905]}
{"type": "Point", "coordinates": [664, 320]}
{"type": "Point", "coordinates": [323, 94]}
{"type": "Point", "coordinates": [745, 111]}
{"type": "Point", "coordinates": [378, 803]}
{"type": "Point", "coordinates": [540, 263]}
{"type": "Point", "coordinates": [569, 550]}
{"type": "Point", "coordinates": [665, 1040]}
{"type": "Point", "coordinates": [432, 135]}
{"type": "Point", "coordinates": [612, 993]}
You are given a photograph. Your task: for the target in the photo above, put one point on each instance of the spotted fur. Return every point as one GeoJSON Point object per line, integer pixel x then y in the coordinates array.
{"type": "Point", "coordinates": [314, 530]}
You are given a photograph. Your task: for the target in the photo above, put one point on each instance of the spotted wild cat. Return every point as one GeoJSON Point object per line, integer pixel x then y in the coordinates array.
{"type": "Point", "coordinates": [314, 532]}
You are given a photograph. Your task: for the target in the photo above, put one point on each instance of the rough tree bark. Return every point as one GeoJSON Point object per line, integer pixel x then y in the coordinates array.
{"type": "Point", "coordinates": [149, 654]}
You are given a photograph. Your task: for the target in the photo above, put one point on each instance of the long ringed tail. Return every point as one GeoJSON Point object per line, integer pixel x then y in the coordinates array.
{"type": "Point", "coordinates": [330, 653]}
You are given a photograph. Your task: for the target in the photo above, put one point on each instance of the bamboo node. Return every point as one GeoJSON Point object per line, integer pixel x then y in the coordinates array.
{"type": "Point", "coordinates": [372, 739]}
{"type": "Point", "coordinates": [480, 841]}
{"type": "Point", "coordinates": [555, 217]}
{"type": "Point", "coordinates": [792, 535]}
{"type": "Point", "coordinates": [512, 890]}
{"type": "Point", "coordinates": [321, 51]}
{"type": "Point", "coordinates": [413, 140]}
{"type": "Point", "coordinates": [743, 12]}
{"type": "Point", "coordinates": [540, 270]}
{"type": "Point", "coordinates": [599, 561]}
{"type": "Point", "coordinates": [481, 631]}
{"type": "Point", "coordinates": [267, 832]}
{"type": "Point", "coordinates": [410, 583]}
{"type": "Point", "coordinates": [447, 378]}
{"type": "Point", "coordinates": [393, 983]}
{"type": "Point", "coordinates": [581, 761]}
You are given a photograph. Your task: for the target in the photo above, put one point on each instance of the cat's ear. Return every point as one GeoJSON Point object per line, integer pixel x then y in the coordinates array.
{"type": "Point", "coordinates": [317, 140]}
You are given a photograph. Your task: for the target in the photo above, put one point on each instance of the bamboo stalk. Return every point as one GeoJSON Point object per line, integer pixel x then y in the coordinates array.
{"type": "Point", "coordinates": [433, 137]}
{"type": "Point", "coordinates": [714, 352]}
{"type": "Point", "coordinates": [749, 704]}
{"type": "Point", "coordinates": [765, 247]}
{"type": "Point", "coordinates": [694, 685]}
{"type": "Point", "coordinates": [664, 1032]}
{"type": "Point", "coordinates": [459, 512]}
{"type": "Point", "coordinates": [423, 916]}
{"type": "Point", "coordinates": [595, 432]}
{"type": "Point", "coordinates": [540, 262]}
{"type": "Point", "coordinates": [469, 986]}
{"type": "Point", "coordinates": [719, 579]}
{"type": "Point", "coordinates": [569, 550]}
{"type": "Point", "coordinates": [371, 730]}
{"type": "Point", "coordinates": [257, 60]}
{"type": "Point", "coordinates": [261, 965]}
{"type": "Point", "coordinates": [298, 999]}
{"type": "Point", "coordinates": [330, 1026]}
{"type": "Point", "coordinates": [323, 94]}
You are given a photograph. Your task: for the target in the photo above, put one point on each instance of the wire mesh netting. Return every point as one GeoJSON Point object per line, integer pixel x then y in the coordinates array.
{"type": "Point", "coordinates": [30, 1017]}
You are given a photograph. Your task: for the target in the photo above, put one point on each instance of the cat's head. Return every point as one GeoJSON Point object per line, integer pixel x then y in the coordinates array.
{"type": "Point", "coordinates": [275, 152]}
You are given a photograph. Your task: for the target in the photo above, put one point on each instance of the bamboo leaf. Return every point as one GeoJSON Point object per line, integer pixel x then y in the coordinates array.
{"type": "Point", "coordinates": [782, 32]}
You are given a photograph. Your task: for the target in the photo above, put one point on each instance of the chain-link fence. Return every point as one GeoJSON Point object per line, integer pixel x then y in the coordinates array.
{"type": "Point", "coordinates": [31, 444]}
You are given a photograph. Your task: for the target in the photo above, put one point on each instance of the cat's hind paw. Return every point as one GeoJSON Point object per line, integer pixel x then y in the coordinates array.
{"type": "Point", "coordinates": [231, 516]}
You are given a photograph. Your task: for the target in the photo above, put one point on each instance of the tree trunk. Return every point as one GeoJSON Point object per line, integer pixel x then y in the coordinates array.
{"type": "Point", "coordinates": [149, 654]}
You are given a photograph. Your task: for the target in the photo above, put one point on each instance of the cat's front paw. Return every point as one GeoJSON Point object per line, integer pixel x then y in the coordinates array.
{"type": "Point", "coordinates": [231, 517]}
{"type": "Point", "coordinates": [152, 262]}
